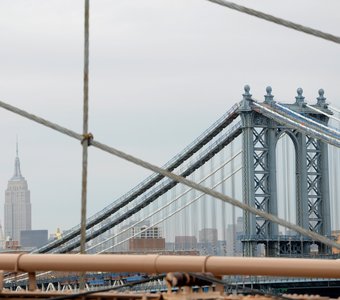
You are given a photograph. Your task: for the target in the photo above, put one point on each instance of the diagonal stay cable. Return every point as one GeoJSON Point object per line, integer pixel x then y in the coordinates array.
{"type": "Point", "coordinates": [279, 21]}
{"type": "Point", "coordinates": [189, 183]}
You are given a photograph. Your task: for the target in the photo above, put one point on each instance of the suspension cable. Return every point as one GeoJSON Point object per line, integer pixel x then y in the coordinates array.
{"type": "Point", "coordinates": [279, 21]}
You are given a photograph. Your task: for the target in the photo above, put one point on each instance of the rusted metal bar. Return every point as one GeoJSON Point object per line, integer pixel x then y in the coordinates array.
{"type": "Point", "coordinates": [216, 265]}
{"type": "Point", "coordinates": [1, 280]}
{"type": "Point", "coordinates": [32, 281]}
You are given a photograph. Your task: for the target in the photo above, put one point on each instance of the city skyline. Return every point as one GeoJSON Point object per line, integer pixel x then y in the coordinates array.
{"type": "Point", "coordinates": [148, 67]}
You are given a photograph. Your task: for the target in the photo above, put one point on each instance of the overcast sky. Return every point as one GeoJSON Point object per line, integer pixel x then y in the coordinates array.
{"type": "Point", "coordinates": [161, 72]}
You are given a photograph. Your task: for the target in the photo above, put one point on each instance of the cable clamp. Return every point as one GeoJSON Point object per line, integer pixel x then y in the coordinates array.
{"type": "Point", "coordinates": [16, 263]}
{"type": "Point", "coordinates": [204, 266]}
{"type": "Point", "coordinates": [87, 137]}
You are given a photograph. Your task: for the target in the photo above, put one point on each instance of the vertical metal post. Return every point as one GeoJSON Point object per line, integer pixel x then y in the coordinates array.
{"type": "Point", "coordinates": [301, 184]}
{"type": "Point", "coordinates": [233, 211]}
{"type": "Point", "coordinates": [273, 228]}
{"type": "Point", "coordinates": [249, 221]}
{"type": "Point", "coordinates": [32, 281]}
{"type": "Point", "coordinates": [1, 280]}
{"type": "Point", "coordinates": [324, 186]}
{"type": "Point", "coordinates": [85, 133]}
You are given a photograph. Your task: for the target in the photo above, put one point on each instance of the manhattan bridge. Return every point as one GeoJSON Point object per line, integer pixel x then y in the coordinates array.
{"type": "Point", "coordinates": [280, 158]}
{"type": "Point", "coordinates": [263, 175]}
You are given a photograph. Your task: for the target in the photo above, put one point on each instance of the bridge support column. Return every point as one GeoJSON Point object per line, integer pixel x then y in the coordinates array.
{"type": "Point", "coordinates": [249, 220]}
{"type": "Point", "coordinates": [259, 177]}
{"type": "Point", "coordinates": [260, 136]}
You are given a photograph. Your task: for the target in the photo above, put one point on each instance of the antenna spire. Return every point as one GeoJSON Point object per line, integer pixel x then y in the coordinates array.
{"type": "Point", "coordinates": [17, 148]}
{"type": "Point", "coordinates": [17, 172]}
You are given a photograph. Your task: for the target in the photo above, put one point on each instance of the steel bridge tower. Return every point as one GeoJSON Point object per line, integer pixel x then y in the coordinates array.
{"type": "Point", "coordinates": [260, 137]}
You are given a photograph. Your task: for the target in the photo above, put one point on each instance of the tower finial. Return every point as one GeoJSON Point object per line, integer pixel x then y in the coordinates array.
{"type": "Point", "coordinates": [321, 99]}
{"type": "Point", "coordinates": [246, 99]}
{"type": "Point", "coordinates": [300, 100]}
{"type": "Point", "coordinates": [269, 97]}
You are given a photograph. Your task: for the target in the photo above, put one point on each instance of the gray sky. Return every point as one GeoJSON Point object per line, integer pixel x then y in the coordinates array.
{"type": "Point", "coordinates": [161, 72]}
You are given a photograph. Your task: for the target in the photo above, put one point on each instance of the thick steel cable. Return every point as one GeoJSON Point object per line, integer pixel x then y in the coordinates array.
{"type": "Point", "coordinates": [85, 141]}
{"type": "Point", "coordinates": [279, 21]}
{"type": "Point", "coordinates": [154, 168]}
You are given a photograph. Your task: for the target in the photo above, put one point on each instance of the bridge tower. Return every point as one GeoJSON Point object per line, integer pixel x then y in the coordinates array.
{"type": "Point", "coordinates": [260, 137]}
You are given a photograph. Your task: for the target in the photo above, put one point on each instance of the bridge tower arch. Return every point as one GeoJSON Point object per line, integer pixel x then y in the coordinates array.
{"type": "Point", "coordinates": [260, 136]}
{"type": "Point", "coordinates": [286, 149]}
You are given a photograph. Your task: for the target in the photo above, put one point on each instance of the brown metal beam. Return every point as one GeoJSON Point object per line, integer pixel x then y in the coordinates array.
{"type": "Point", "coordinates": [166, 263]}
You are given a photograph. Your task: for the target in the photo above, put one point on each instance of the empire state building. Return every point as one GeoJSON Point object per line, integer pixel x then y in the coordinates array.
{"type": "Point", "coordinates": [17, 204]}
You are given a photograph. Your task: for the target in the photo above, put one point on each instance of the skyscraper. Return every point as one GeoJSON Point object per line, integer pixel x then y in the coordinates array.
{"type": "Point", "coordinates": [17, 204]}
